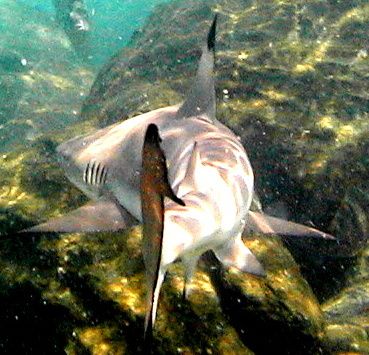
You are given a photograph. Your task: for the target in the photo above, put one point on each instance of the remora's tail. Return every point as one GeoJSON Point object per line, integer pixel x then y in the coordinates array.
{"type": "Point", "coordinates": [154, 186]}
{"type": "Point", "coordinates": [200, 100]}
{"type": "Point", "coordinates": [258, 222]}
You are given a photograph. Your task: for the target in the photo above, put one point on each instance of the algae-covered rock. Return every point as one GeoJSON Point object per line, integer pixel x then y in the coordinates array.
{"type": "Point", "coordinates": [278, 312]}
{"type": "Point", "coordinates": [347, 312]}
{"type": "Point", "coordinates": [42, 80]}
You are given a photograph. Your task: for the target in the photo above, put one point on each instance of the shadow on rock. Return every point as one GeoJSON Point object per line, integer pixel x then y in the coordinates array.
{"type": "Point", "coordinates": [267, 323]}
{"type": "Point", "coordinates": [30, 325]}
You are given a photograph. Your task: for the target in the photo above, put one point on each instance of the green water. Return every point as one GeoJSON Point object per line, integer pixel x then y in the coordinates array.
{"type": "Point", "coordinates": [292, 82]}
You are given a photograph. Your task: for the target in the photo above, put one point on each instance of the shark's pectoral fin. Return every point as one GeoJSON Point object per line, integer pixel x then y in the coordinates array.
{"type": "Point", "coordinates": [235, 253]}
{"type": "Point", "coordinates": [103, 215]}
{"type": "Point", "coordinates": [261, 223]}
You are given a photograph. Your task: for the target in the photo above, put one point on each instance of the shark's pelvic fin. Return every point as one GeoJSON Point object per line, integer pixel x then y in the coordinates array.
{"type": "Point", "coordinates": [200, 100]}
{"type": "Point", "coordinates": [103, 215]}
{"type": "Point", "coordinates": [235, 253]}
{"type": "Point", "coordinates": [258, 222]}
{"type": "Point", "coordinates": [190, 267]}
{"type": "Point", "coordinates": [154, 186]}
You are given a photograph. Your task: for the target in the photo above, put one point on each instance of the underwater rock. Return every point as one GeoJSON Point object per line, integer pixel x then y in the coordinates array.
{"type": "Point", "coordinates": [12, 63]}
{"type": "Point", "coordinates": [347, 312]}
{"type": "Point", "coordinates": [72, 16]}
{"type": "Point", "coordinates": [278, 312]}
{"type": "Point", "coordinates": [42, 81]}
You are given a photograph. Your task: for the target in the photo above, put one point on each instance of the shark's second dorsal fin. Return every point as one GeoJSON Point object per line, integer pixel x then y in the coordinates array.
{"type": "Point", "coordinates": [200, 100]}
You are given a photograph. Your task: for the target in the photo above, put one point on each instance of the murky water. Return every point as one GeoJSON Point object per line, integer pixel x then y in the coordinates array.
{"type": "Point", "coordinates": [292, 82]}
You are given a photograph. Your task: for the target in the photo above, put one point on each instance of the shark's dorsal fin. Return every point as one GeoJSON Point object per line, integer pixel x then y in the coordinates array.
{"type": "Point", "coordinates": [103, 215]}
{"type": "Point", "coordinates": [154, 186]}
{"type": "Point", "coordinates": [200, 100]}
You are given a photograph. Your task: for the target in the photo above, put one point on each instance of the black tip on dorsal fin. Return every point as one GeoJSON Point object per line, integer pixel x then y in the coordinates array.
{"type": "Point", "coordinates": [152, 134]}
{"type": "Point", "coordinates": [211, 34]}
{"type": "Point", "coordinates": [200, 100]}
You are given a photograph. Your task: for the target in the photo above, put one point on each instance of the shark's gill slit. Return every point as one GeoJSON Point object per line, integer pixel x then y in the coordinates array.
{"type": "Point", "coordinates": [85, 173]}
{"type": "Point", "coordinates": [95, 174]}
{"type": "Point", "coordinates": [104, 175]}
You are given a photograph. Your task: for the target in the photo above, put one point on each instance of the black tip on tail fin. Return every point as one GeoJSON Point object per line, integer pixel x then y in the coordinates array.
{"type": "Point", "coordinates": [211, 35]}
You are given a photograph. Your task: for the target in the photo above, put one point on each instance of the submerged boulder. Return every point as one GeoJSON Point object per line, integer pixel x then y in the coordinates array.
{"type": "Point", "coordinates": [42, 80]}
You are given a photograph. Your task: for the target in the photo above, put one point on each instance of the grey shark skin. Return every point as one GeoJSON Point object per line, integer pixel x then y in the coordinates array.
{"type": "Point", "coordinates": [207, 169]}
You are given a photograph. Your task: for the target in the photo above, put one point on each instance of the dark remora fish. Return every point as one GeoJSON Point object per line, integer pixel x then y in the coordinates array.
{"type": "Point", "coordinates": [154, 187]}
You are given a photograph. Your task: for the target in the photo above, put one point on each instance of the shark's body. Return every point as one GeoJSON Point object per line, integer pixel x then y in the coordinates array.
{"type": "Point", "coordinates": [207, 168]}
{"type": "Point", "coordinates": [217, 177]}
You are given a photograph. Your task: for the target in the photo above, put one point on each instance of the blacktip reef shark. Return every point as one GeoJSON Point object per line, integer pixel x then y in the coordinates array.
{"type": "Point", "coordinates": [181, 173]}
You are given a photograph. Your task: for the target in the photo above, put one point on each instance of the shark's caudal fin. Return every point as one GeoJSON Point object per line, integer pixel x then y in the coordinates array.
{"type": "Point", "coordinates": [258, 222]}
{"type": "Point", "coordinates": [154, 186]}
{"type": "Point", "coordinates": [103, 215]}
{"type": "Point", "coordinates": [201, 98]}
